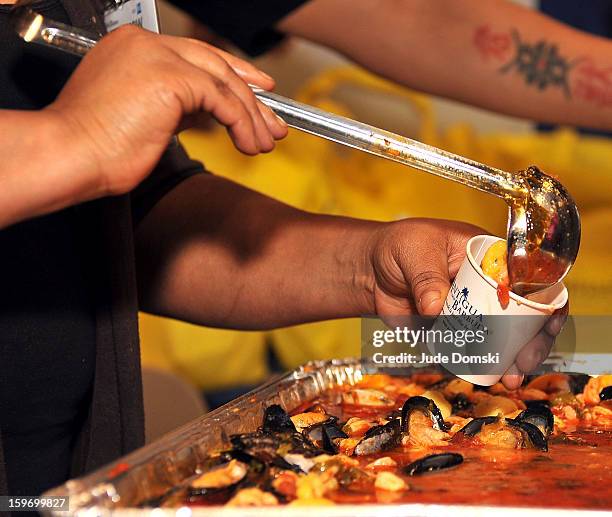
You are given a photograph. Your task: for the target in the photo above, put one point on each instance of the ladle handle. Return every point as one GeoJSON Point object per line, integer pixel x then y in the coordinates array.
{"type": "Point", "coordinates": [33, 27]}
{"type": "Point", "coordinates": [389, 145]}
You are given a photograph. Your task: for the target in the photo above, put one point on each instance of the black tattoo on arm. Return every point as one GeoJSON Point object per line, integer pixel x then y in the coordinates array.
{"type": "Point", "coordinates": [540, 64]}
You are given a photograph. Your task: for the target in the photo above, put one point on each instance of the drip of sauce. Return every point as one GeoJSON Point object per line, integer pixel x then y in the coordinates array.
{"type": "Point", "coordinates": [503, 295]}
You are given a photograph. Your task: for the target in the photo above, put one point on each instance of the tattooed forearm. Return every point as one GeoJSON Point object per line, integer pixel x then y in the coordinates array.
{"type": "Point", "coordinates": [540, 64]}
{"type": "Point", "coordinates": [543, 66]}
{"type": "Point", "coordinates": [491, 45]}
{"type": "Point", "coordinates": [593, 83]}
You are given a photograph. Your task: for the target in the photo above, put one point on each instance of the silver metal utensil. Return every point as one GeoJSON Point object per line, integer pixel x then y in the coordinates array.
{"type": "Point", "coordinates": [543, 226]}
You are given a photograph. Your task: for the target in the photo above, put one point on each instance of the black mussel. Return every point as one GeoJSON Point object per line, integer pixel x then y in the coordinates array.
{"type": "Point", "coordinates": [269, 447]}
{"type": "Point", "coordinates": [211, 496]}
{"type": "Point", "coordinates": [578, 381]}
{"type": "Point", "coordinates": [433, 462]}
{"type": "Point", "coordinates": [277, 420]}
{"type": "Point", "coordinates": [396, 413]}
{"type": "Point", "coordinates": [331, 435]}
{"type": "Point", "coordinates": [473, 427]}
{"type": "Point", "coordinates": [379, 438]}
{"type": "Point", "coordinates": [223, 474]}
{"type": "Point", "coordinates": [257, 440]}
{"type": "Point", "coordinates": [427, 407]}
{"type": "Point", "coordinates": [283, 464]}
{"type": "Point", "coordinates": [541, 416]}
{"type": "Point", "coordinates": [460, 403]}
{"type": "Point", "coordinates": [606, 394]}
{"type": "Point", "coordinates": [258, 459]}
{"type": "Point", "coordinates": [532, 435]}
{"type": "Point", "coordinates": [314, 433]}
{"type": "Point", "coordinates": [297, 443]}
{"type": "Point", "coordinates": [536, 403]}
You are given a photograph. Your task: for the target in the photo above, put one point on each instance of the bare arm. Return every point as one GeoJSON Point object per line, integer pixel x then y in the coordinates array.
{"type": "Point", "coordinates": [215, 253]}
{"type": "Point", "coordinates": [41, 169]}
{"type": "Point", "coordinates": [492, 54]}
{"type": "Point", "coordinates": [93, 141]}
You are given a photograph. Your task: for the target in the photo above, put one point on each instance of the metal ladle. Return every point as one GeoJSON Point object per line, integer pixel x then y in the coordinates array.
{"type": "Point", "coordinates": [543, 226]}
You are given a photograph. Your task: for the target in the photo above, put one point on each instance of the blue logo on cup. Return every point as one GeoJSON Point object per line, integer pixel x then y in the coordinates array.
{"type": "Point", "coordinates": [460, 303]}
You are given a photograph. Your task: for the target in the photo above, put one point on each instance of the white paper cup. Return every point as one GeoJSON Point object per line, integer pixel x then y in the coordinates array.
{"type": "Point", "coordinates": [473, 293]}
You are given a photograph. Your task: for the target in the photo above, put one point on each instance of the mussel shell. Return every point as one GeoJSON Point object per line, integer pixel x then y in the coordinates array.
{"type": "Point", "coordinates": [536, 403]}
{"type": "Point", "coordinates": [541, 416]}
{"type": "Point", "coordinates": [379, 438]}
{"type": "Point", "coordinates": [314, 433]}
{"type": "Point", "coordinates": [531, 434]}
{"type": "Point", "coordinates": [218, 495]}
{"type": "Point", "coordinates": [260, 461]}
{"type": "Point", "coordinates": [461, 403]}
{"type": "Point", "coordinates": [396, 413]}
{"type": "Point", "coordinates": [473, 427]}
{"type": "Point", "coordinates": [578, 382]}
{"type": "Point", "coordinates": [427, 407]}
{"type": "Point", "coordinates": [433, 462]}
{"type": "Point", "coordinates": [254, 441]}
{"type": "Point", "coordinates": [277, 420]}
{"type": "Point", "coordinates": [270, 448]}
{"type": "Point", "coordinates": [606, 394]}
{"type": "Point", "coordinates": [332, 433]}
{"type": "Point", "coordinates": [213, 496]}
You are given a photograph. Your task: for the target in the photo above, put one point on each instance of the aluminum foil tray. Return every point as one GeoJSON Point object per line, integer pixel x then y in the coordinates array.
{"type": "Point", "coordinates": [148, 473]}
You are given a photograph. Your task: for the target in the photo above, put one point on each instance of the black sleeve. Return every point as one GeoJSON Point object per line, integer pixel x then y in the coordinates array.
{"type": "Point", "coordinates": [247, 24]}
{"type": "Point", "coordinates": [174, 167]}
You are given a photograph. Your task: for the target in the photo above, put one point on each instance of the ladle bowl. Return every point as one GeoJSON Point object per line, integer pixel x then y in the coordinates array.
{"type": "Point", "coordinates": [543, 233]}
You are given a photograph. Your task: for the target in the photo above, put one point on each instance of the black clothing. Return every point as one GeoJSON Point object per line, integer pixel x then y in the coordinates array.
{"type": "Point", "coordinates": [47, 320]}
{"type": "Point", "coordinates": [70, 385]}
{"type": "Point", "coordinates": [70, 389]}
{"type": "Point", "coordinates": [249, 25]}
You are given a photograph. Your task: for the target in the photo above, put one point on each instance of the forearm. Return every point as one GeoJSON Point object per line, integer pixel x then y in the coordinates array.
{"type": "Point", "coordinates": [469, 50]}
{"type": "Point", "coordinates": [39, 173]}
{"type": "Point", "coordinates": [215, 253]}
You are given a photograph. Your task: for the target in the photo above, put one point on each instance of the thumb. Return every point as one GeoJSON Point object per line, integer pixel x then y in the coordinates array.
{"type": "Point", "coordinates": [429, 279]}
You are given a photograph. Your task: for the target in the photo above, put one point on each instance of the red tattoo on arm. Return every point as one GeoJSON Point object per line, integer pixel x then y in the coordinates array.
{"type": "Point", "coordinates": [593, 83]}
{"type": "Point", "coordinates": [494, 45]}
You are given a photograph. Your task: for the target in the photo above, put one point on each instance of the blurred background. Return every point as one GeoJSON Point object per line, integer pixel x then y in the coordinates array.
{"type": "Point", "coordinates": [208, 367]}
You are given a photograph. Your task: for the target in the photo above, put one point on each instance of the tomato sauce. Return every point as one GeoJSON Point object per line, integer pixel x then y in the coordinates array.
{"type": "Point", "coordinates": [576, 472]}
{"type": "Point", "coordinates": [537, 267]}
{"type": "Point", "coordinates": [569, 475]}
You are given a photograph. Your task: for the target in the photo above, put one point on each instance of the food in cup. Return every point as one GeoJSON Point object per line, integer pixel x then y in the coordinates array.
{"type": "Point", "coordinates": [495, 265]}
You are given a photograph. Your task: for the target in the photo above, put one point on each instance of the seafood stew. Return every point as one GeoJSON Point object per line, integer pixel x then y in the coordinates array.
{"type": "Point", "coordinates": [426, 438]}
